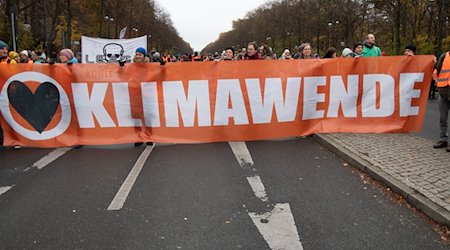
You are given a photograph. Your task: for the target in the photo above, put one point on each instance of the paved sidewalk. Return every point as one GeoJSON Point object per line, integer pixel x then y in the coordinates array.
{"type": "Point", "coordinates": [406, 163]}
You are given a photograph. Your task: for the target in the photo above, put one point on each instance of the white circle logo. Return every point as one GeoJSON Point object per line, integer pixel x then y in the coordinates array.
{"type": "Point", "coordinates": [30, 134]}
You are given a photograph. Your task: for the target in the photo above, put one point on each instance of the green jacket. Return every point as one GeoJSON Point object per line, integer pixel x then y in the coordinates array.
{"type": "Point", "coordinates": [369, 51]}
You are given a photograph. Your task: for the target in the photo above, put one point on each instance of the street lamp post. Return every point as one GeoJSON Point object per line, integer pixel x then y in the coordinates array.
{"type": "Point", "coordinates": [333, 36]}
{"type": "Point", "coordinates": [150, 38]}
{"type": "Point", "coordinates": [109, 19]}
{"type": "Point", "coordinates": [441, 19]}
{"type": "Point", "coordinates": [289, 40]}
{"type": "Point", "coordinates": [335, 33]}
{"type": "Point", "coordinates": [329, 34]}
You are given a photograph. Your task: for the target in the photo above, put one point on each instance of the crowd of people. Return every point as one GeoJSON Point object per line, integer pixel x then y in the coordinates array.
{"type": "Point", "coordinates": [252, 51]}
{"type": "Point", "coordinates": [367, 48]}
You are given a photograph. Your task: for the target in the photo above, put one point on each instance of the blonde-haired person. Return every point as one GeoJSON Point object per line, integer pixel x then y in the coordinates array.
{"type": "Point", "coordinates": [14, 56]}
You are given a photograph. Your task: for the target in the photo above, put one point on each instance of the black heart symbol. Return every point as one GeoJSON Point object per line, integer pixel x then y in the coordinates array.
{"type": "Point", "coordinates": [38, 108]}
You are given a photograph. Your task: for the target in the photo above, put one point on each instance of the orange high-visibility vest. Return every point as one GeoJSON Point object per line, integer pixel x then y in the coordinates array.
{"type": "Point", "coordinates": [443, 79]}
{"type": "Point", "coordinates": [8, 60]}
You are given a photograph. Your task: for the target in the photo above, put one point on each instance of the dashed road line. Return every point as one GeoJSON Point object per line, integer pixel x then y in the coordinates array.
{"type": "Point", "coordinates": [127, 185]}
{"type": "Point", "coordinates": [278, 227]}
{"type": "Point", "coordinates": [5, 189]}
{"type": "Point", "coordinates": [242, 154]}
{"type": "Point", "coordinates": [52, 156]}
{"type": "Point", "coordinates": [258, 187]}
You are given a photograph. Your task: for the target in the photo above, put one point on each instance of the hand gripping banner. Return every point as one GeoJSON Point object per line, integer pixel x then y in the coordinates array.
{"type": "Point", "coordinates": [83, 104]}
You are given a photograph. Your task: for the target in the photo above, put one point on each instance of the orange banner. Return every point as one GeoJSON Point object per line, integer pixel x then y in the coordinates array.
{"type": "Point", "coordinates": [82, 104]}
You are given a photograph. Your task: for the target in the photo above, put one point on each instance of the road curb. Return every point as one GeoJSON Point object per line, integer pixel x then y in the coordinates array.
{"type": "Point", "coordinates": [421, 202]}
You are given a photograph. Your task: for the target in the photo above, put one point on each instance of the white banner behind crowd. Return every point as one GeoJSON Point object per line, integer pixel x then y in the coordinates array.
{"type": "Point", "coordinates": [99, 50]}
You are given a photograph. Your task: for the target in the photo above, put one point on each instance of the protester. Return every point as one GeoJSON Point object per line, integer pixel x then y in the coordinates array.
{"type": "Point", "coordinates": [229, 54]}
{"type": "Point", "coordinates": [347, 52]}
{"type": "Point", "coordinates": [166, 57]}
{"type": "Point", "coordinates": [410, 50]}
{"type": "Point", "coordinates": [25, 57]}
{"type": "Point", "coordinates": [242, 54]}
{"type": "Point", "coordinates": [14, 56]}
{"type": "Point", "coordinates": [369, 47]}
{"type": "Point", "coordinates": [265, 52]}
{"type": "Point", "coordinates": [67, 56]}
{"type": "Point", "coordinates": [357, 49]}
{"type": "Point", "coordinates": [141, 56]}
{"type": "Point", "coordinates": [304, 52]}
{"type": "Point", "coordinates": [286, 55]}
{"type": "Point", "coordinates": [252, 53]}
{"type": "Point", "coordinates": [442, 77]}
{"type": "Point", "coordinates": [432, 92]}
{"type": "Point", "coordinates": [330, 53]}
{"type": "Point", "coordinates": [37, 56]}
{"type": "Point", "coordinates": [53, 58]}
{"type": "Point", "coordinates": [196, 57]}
{"type": "Point", "coordinates": [4, 58]}
{"type": "Point", "coordinates": [78, 56]}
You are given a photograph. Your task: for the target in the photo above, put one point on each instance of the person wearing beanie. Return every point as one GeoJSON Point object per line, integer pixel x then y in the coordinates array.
{"type": "Point", "coordinates": [357, 49]}
{"type": "Point", "coordinates": [4, 58]}
{"type": "Point", "coordinates": [67, 56]}
{"type": "Point", "coordinates": [141, 56]}
{"type": "Point", "coordinates": [347, 52]}
{"type": "Point", "coordinates": [410, 50]}
{"type": "Point", "coordinates": [25, 57]}
{"type": "Point", "coordinates": [14, 56]}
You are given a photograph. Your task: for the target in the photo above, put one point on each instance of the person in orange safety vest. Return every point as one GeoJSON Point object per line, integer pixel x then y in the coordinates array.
{"type": "Point", "coordinates": [441, 75]}
{"type": "Point", "coordinates": [4, 58]}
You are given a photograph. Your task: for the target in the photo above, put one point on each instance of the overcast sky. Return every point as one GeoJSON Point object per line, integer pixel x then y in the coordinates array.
{"type": "Point", "coordinates": [200, 22]}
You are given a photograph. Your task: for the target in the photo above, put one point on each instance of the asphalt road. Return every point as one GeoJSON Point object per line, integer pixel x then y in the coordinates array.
{"type": "Point", "coordinates": [291, 192]}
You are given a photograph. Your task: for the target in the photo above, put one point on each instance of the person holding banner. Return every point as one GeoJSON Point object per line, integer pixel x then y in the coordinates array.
{"type": "Point", "coordinates": [252, 53]}
{"type": "Point", "coordinates": [442, 76]}
{"type": "Point", "coordinates": [141, 56]}
{"type": "Point", "coordinates": [369, 47]}
{"type": "Point", "coordinates": [67, 56]}
{"type": "Point", "coordinates": [304, 52]}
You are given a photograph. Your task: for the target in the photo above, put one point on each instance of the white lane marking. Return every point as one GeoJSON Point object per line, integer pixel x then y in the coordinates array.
{"type": "Point", "coordinates": [258, 187]}
{"type": "Point", "coordinates": [278, 227]}
{"type": "Point", "coordinates": [242, 154]}
{"type": "Point", "coordinates": [5, 189]}
{"type": "Point", "coordinates": [52, 156]}
{"type": "Point", "coordinates": [122, 194]}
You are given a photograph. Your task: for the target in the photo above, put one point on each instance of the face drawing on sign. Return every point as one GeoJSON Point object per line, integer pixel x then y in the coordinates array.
{"type": "Point", "coordinates": [113, 52]}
